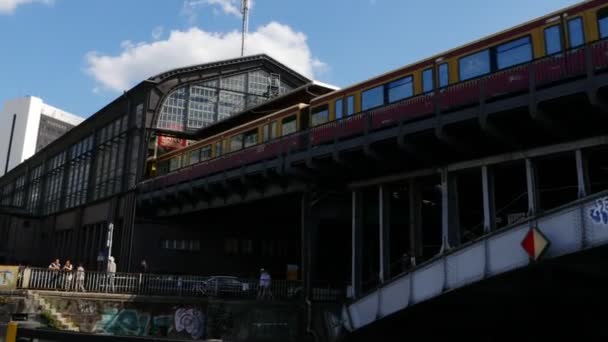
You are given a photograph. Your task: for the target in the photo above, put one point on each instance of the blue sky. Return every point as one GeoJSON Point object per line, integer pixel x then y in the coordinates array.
{"type": "Point", "coordinates": [79, 55]}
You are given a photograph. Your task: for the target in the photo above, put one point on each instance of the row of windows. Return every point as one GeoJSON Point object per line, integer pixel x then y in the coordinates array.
{"type": "Point", "coordinates": [245, 247]}
{"type": "Point", "coordinates": [78, 173]}
{"type": "Point", "coordinates": [235, 143]}
{"type": "Point", "coordinates": [181, 245]}
{"type": "Point", "coordinates": [111, 150]}
{"type": "Point", "coordinates": [64, 180]}
{"type": "Point", "coordinates": [201, 104]}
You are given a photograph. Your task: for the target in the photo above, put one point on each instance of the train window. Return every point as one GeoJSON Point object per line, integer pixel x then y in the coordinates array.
{"type": "Point", "coordinates": [444, 75]}
{"type": "Point", "coordinates": [194, 156]}
{"type": "Point", "coordinates": [175, 163]}
{"type": "Point", "coordinates": [474, 65]}
{"type": "Point", "coordinates": [350, 105]}
{"type": "Point", "coordinates": [514, 52]}
{"type": "Point", "coordinates": [236, 142]}
{"type": "Point", "coordinates": [266, 133]}
{"type": "Point", "coordinates": [400, 89]}
{"type": "Point", "coordinates": [602, 22]}
{"type": "Point", "coordinates": [218, 149]}
{"type": "Point", "coordinates": [372, 98]}
{"type": "Point", "coordinates": [289, 125]}
{"type": "Point", "coordinates": [205, 153]}
{"type": "Point", "coordinates": [553, 39]}
{"type": "Point", "coordinates": [251, 138]}
{"type": "Point", "coordinates": [339, 109]}
{"type": "Point", "coordinates": [575, 32]}
{"type": "Point", "coordinates": [273, 130]}
{"type": "Point", "coordinates": [427, 80]}
{"type": "Point", "coordinates": [319, 116]}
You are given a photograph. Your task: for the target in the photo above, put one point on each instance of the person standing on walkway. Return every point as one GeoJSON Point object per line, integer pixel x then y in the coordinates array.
{"type": "Point", "coordinates": [264, 290]}
{"type": "Point", "coordinates": [80, 278]}
{"type": "Point", "coordinates": [111, 274]}
{"type": "Point", "coordinates": [68, 268]}
{"type": "Point", "coordinates": [55, 267]}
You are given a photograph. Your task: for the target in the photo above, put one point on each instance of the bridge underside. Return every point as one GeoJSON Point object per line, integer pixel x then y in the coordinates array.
{"type": "Point", "coordinates": [560, 298]}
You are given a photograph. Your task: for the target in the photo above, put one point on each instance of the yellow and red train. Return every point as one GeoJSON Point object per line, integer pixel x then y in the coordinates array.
{"type": "Point", "coordinates": [548, 49]}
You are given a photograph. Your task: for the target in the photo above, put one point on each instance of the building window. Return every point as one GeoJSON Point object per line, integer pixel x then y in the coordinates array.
{"type": "Point", "coordinates": [575, 32]}
{"type": "Point", "coordinates": [320, 115]}
{"type": "Point", "coordinates": [553, 39]}
{"type": "Point", "coordinates": [372, 98]}
{"type": "Point", "coordinates": [35, 180]}
{"type": "Point", "coordinates": [111, 157]}
{"type": "Point", "coordinates": [602, 22]}
{"type": "Point", "coordinates": [246, 247]}
{"type": "Point", "coordinates": [289, 125]}
{"type": "Point", "coordinates": [350, 105]}
{"type": "Point", "coordinates": [474, 65]}
{"type": "Point", "coordinates": [181, 245]}
{"type": "Point", "coordinates": [514, 52]}
{"type": "Point", "coordinates": [231, 246]}
{"type": "Point", "coordinates": [400, 89]}
{"type": "Point", "coordinates": [339, 109]}
{"type": "Point", "coordinates": [444, 75]}
{"type": "Point", "coordinates": [428, 84]}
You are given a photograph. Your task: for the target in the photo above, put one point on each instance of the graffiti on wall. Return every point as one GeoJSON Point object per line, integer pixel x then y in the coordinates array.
{"type": "Point", "coordinates": [8, 277]}
{"type": "Point", "coordinates": [598, 211]}
{"type": "Point", "coordinates": [191, 321]}
{"type": "Point", "coordinates": [134, 319]}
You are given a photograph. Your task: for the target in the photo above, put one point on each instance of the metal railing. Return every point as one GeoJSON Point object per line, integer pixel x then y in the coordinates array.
{"type": "Point", "coordinates": [167, 285]}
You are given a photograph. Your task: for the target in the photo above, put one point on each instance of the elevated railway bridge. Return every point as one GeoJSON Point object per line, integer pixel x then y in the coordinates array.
{"type": "Point", "coordinates": [422, 200]}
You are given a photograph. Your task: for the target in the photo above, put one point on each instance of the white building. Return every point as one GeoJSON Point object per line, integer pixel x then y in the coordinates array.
{"type": "Point", "coordinates": [36, 124]}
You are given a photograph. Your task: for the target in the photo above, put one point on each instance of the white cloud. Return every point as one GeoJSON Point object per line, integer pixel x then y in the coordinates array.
{"type": "Point", "coordinates": [138, 61]}
{"type": "Point", "coordinates": [9, 6]}
{"type": "Point", "coordinates": [230, 7]}
{"type": "Point", "coordinates": [157, 32]}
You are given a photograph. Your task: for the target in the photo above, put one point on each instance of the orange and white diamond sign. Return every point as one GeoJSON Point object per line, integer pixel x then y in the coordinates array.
{"type": "Point", "coordinates": [535, 243]}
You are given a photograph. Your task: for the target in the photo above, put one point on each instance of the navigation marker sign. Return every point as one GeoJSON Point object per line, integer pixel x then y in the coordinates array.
{"type": "Point", "coordinates": [535, 243]}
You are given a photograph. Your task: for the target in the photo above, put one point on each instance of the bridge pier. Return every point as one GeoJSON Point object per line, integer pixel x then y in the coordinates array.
{"type": "Point", "coordinates": [357, 243]}
{"type": "Point", "coordinates": [450, 230]}
{"type": "Point", "coordinates": [489, 207]}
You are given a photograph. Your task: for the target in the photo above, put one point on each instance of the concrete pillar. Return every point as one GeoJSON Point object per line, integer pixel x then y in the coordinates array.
{"type": "Point", "coordinates": [489, 202]}
{"type": "Point", "coordinates": [385, 232]}
{"type": "Point", "coordinates": [582, 173]}
{"type": "Point", "coordinates": [531, 181]}
{"type": "Point", "coordinates": [450, 228]}
{"type": "Point", "coordinates": [415, 219]}
{"type": "Point", "coordinates": [357, 243]}
{"type": "Point", "coordinates": [309, 223]}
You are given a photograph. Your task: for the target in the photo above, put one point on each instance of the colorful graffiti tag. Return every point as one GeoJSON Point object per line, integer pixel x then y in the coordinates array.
{"type": "Point", "coordinates": [8, 277]}
{"type": "Point", "coordinates": [191, 321]}
{"type": "Point", "coordinates": [598, 211]}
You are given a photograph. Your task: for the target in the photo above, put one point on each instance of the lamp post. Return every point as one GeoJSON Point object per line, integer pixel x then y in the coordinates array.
{"type": "Point", "coordinates": [110, 237]}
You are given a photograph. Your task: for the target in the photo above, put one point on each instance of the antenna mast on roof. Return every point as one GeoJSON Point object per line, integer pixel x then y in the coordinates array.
{"type": "Point", "coordinates": [245, 12]}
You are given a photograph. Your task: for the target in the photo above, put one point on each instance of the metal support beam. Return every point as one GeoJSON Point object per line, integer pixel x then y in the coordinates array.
{"type": "Point", "coordinates": [489, 208]}
{"type": "Point", "coordinates": [582, 173]}
{"type": "Point", "coordinates": [450, 230]}
{"type": "Point", "coordinates": [531, 181]}
{"type": "Point", "coordinates": [357, 243]}
{"type": "Point", "coordinates": [415, 220]}
{"type": "Point", "coordinates": [385, 232]}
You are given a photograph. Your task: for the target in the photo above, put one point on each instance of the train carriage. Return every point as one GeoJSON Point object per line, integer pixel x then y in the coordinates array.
{"type": "Point", "coordinates": [550, 49]}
